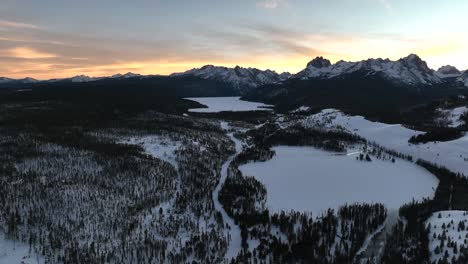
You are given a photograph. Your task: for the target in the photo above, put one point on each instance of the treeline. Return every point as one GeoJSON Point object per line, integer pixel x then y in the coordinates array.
{"type": "Point", "coordinates": [294, 237]}
{"type": "Point", "coordinates": [408, 242]}
{"type": "Point", "coordinates": [271, 135]}
{"type": "Point", "coordinates": [437, 134]}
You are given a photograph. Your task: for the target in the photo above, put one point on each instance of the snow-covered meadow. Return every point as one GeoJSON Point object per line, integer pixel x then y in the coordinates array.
{"type": "Point", "coordinates": [157, 146]}
{"type": "Point", "coordinates": [451, 227]}
{"type": "Point", "coordinates": [451, 154]}
{"type": "Point", "coordinates": [220, 104]}
{"type": "Point", "coordinates": [312, 180]}
{"type": "Point", "coordinates": [14, 252]}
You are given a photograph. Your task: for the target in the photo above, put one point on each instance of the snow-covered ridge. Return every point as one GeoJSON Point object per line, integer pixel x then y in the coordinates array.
{"type": "Point", "coordinates": [24, 80]}
{"type": "Point", "coordinates": [410, 70]}
{"type": "Point", "coordinates": [451, 154]}
{"type": "Point", "coordinates": [238, 76]}
{"type": "Point", "coordinates": [76, 79]}
{"type": "Point", "coordinates": [85, 78]}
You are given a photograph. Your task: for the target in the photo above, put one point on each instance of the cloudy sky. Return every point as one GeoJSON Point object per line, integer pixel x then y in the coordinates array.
{"type": "Point", "coordinates": [61, 38]}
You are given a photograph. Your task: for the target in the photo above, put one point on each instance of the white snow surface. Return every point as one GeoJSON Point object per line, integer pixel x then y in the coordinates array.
{"type": "Point", "coordinates": [156, 146]}
{"type": "Point", "coordinates": [220, 104]}
{"type": "Point", "coordinates": [451, 154]}
{"type": "Point", "coordinates": [311, 180]}
{"type": "Point", "coordinates": [14, 252]}
{"type": "Point", "coordinates": [451, 231]}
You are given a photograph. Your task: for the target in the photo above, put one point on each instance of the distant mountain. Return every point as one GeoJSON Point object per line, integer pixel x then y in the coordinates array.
{"type": "Point", "coordinates": [410, 70]}
{"type": "Point", "coordinates": [448, 71]}
{"type": "Point", "coordinates": [85, 78]}
{"type": "Point", "coordinates": [370, 87]}
{"type": "Point", "coordinates": [27, 80]}
{"type": "Point", "coordinates": [126, 76]}
{"type": "Point", "coordinates": [241, 78]}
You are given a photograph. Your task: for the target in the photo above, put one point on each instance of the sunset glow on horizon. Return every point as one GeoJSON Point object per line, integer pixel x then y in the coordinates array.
{"type": "Point", "coordinates": [53, 39]}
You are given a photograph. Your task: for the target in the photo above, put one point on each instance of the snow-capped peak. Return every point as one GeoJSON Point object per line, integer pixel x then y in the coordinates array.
{"type": "Point", "coordinates": [448, 71]}
{"type": "Point", "coordinates": [410, 70]}
{"type": "Point", "coordinates": [125, 76]}
{"type": "Point", "coordinates": [238, 76]}
{"type": "Point", "coordinates": [83, 78]}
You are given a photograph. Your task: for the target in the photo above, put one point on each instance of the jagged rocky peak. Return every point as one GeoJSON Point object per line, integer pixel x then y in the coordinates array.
{"type": "Point", "coordinates": [319, 62]}
{"type": "Point", "coordinates": [448, 70]}
{"type": "Point", "coordinates": [414, 61]}
{"type": "Point", "coordinates": [411, 70]}
{"type": "Point", "coordinates": [239, 77]}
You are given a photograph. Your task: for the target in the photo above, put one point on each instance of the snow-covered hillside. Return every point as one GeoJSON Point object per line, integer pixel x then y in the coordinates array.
{"type": "Point", "coordinates": [452, 154]}
{"type": "Point", "coordinates": [451, 117]}
{"type": "Point", "coordinates": [239, 77]}
{"type": "Point", "coordinates": [410, 70]}
{"type": "Point", "coordinates": [448, 234]}
{"type": "Point", "coordinates": [307, 179]}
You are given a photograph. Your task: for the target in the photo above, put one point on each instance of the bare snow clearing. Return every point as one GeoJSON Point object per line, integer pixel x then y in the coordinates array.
{"type": "Point", "coordinates": [311, 180]}
{"type": "Point", "coordinates": [451, 154]}
{"type": "Point", "coordinates": [221, 104]}
{"type": "Point", "coordinates": [156, 146]}
{"type": "Point", "coordinates": [14, 252]}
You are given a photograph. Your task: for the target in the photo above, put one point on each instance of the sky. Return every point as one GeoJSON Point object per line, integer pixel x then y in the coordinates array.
{"type": "Point", "coordinates": [63, 38]}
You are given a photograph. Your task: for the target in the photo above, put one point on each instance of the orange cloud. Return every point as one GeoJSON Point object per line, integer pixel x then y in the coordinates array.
{"type": "Point", "coordinates": [13, 24]}
{"type": "Point", "coordinates": [28, 53]}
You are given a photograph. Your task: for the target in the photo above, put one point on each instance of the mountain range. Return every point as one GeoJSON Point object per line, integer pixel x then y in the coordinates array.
{"type": "Point", "coordinates": [379, 86]}
{"type": "Point", "coordinates": [411, 70]}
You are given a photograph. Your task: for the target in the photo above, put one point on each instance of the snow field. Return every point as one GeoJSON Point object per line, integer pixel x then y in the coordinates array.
{"type": "Point", "coordinates": [451, 154]}
{"type": "Point", "coordinates": [159, 147]}
{"type": "Point", "coordinates": [14, 252]}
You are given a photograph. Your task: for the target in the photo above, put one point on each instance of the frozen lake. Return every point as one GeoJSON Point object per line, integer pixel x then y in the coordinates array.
{"type": "Point", "coordinates": [309, 179]}
{"type": "Point", "coordinates": [220, 104]}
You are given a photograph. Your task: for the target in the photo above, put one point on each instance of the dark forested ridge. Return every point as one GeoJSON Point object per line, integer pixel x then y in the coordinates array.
{"type": "Point", "coordinates": [356, 93]}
